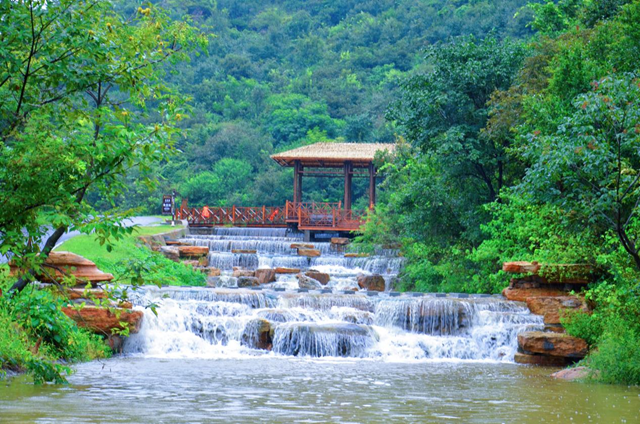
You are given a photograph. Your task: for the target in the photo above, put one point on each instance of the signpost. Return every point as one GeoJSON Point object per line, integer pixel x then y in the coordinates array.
{"type": "Point", "coordinates": [167, 205]}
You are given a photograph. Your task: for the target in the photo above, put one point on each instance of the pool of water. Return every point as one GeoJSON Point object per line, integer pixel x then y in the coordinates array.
{"type": "Point", "coordinates": [275, 389]}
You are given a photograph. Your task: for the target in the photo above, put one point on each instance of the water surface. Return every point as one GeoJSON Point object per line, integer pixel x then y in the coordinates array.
{"type": "Point", "coordinates": [273, 389]}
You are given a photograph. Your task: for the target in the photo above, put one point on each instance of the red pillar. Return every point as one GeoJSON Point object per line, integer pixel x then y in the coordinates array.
{"type": "Point", "coordinates": [297, 182]}
{"type": "Point", "coordinates": [348, 176]}
{"type": "Point", "coordinates": [372, 186]}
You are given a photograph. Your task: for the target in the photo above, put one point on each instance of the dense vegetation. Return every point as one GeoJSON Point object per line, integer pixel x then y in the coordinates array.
{"type": "Point", "coordinates": [517, 130]}
{"type": "Point", "coordinates": [282, 73]}
{"type": "Point", "coordinates": [527, 151]}
{"type": "Point", "coordinates": [82, 101]}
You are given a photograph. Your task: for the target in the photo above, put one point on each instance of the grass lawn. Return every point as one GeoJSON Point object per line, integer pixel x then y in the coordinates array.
{"type": "Point", "coordinates": [128, 253]}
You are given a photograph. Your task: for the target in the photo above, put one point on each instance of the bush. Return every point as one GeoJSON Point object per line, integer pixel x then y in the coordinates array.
{"type": "Point", "coordinates": [613, 331]}
{"type": "Point", "coordinates": [35, 336]}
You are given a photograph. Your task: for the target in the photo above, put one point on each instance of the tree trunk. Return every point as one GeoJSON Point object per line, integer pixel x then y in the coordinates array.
{"type": "Point", "coordinates": [23, 282]}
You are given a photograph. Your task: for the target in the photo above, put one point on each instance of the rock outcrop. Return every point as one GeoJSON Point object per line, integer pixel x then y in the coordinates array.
{"type": "Point", "coordinates": [283, 270]}
{"type": "Point", "coordinates": [545, 279]}
{"type": "Point", "coordinates": [310, 253]}
{"type": "Point", "coordinates": [340, 241]}
{"type": "Point", "coordinates": [571, 374]}
{"type": "Point", "coordinates": [552, 344]}
{"type": "Point", "coordinates": [356, 255]}
{"type": "Point", "coordinates": [244, 251]}
{"type": "Point", "coordinates": [241, 272]}
{"type": "Point", "coordinates": [373, 282]}
{"type": "Point", "coordinates": [192, 251]}
{"type": "Point", "coordinates": [102, 320]}
{"type": "Point", "coordinates": [248, 282]}
{"type": "Point", "coordinates": [302, 246]}
{"type": "Point", "coordinates": [552, 307]}
{"type": "Point", "coordinates": [258, 334]}
{"type": "Point", "coordinates": [305, 282]}
{"type": "Point", "coordinates": [541, 360]}
{"type": "Point", "coordinates": [265, 275]}
{"type": "Point", "coordinates": [62, 264]}
{"type": "Point", "coordinates": [170, 252]}
{"type": "Point", "coordinates": [321, 277]}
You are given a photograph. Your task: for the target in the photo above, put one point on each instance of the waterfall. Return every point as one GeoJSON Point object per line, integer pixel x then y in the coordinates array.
{"type": "Point", "coordinates": [201, 322]}
{"type": "Point", "coordinates": [226, 321]}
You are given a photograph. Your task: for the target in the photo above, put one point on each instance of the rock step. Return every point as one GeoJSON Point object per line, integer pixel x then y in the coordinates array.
{"type": "Point", "coordinates": [541, 360]}
{"type": "Point", "coordinates": [67, 263]}
{"type": "Point", "coordinates": [579, 274]}
{"type": "Point", "coordinates": [552, 307]}
{"type": "Point", "coordinates": [552, 344]}
{"type": "Point", "coordinates": [102, 320]}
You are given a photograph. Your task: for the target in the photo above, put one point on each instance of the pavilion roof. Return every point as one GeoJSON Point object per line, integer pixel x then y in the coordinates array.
{"type": "Point", "coordinates": [328, 154]}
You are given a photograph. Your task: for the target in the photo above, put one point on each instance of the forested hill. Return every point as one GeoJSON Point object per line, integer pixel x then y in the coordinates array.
{"type": "Point", "coordinates": [280, 73]}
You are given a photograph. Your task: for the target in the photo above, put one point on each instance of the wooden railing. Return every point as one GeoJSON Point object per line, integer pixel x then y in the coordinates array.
{"type": "Point", "coordinates": [306, 215]}
{"type": "Point", "coordinates": [243, 216]}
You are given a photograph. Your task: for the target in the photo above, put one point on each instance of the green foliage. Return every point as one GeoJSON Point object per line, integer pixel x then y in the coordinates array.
{"type": "Point", "coordinates": [280, 71]}
{"type": "Point", "coordinates": [614, 327]}
{"type": "Point", "coordinates": [35, 335]}
{"type": "Point", "coordinates": [134, 264]}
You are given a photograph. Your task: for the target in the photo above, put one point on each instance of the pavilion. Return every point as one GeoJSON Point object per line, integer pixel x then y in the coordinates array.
{"type": "Point", "coordinates": [343, 160]}
{"type": "Point", "coordinates": [326, 159]}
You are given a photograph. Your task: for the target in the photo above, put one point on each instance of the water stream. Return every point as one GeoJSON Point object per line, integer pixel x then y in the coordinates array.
{"type": "Point", "coordinates": [276, 354]}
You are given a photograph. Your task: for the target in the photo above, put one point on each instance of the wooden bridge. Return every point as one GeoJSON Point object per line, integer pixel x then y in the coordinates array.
{"type": "Point", "coordinates": [343, 160]}
{"type": "Point", "coordinates": [303, 216]}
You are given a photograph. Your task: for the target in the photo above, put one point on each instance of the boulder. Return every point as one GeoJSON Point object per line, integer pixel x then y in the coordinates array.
{"type": "Point", "coordinates": [321, 277]}
{"type": "Point", "coordinates": [265, 275]}
{"type": "Point", "coordinates": [104, 321]}
{"type": "Point", "coordinates": [311, 253]}
{"type": "Point", "coordinates": [62, 264]}
{"type": "Point", "coordinates": [356, 255]}
{"type": "Point", "coordinates": [283, 270]}
{"type": "Point", "coordinates": [373, 282]}
{"type": "Point", "coordinates": [550, 306]}
{"type": "Point", "coordinates": [305, 282]}
{"type": "Point", "coordinates": [571, 374]}
{"type": "Point", "coordinates": [170, 252]}
{"type": "Point", "coordinates": [153, 242]}
{"type": "Point", "coordinates": [302, 246]}
{"type": "Point", "coordinates": [176, 243]}
{"type": "Point", "coordinates": [213, 282]}
{"type": "Point", "coordinates": [578, 274]}
{"type": "Point", "coordinates": [521, 267]}
{"type": "Point", "coordinates": [340, 241]}
{"type": "Point", "coordinates": [248, 282]}
{"type": "Point", "coordinates": [241, 272]}
{"type": "Point", "coordinates": [541, 360]}
{"type": "Point", "coordinates": [78, 293]}
{"type": "Point", "coordinates": [213, 271]}
{"type": "Point", "coordinates": [192, 251]}
{"type": "Point", "coordinates": [244, 251]}
{"type": "Point", "coordinates": [521, 295]}
{"type": "Point", "coordinates": [552, 344]}
{"type": "Point", "coordinates": [257, 334]}
{"type": "Point", "coordinates": [192, 263]}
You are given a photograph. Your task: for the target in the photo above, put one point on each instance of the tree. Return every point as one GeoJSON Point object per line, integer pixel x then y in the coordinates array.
{"type": "Point", "coordinates": [590, 167]}
{"type": "Point", "coordinates": [443, 111]}
{"type": "Point", "coordinates": [82, 100]}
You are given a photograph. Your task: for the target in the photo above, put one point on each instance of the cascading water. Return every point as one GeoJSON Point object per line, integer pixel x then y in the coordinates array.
{"type": "Point", "coordinates": [239, 322]}
{"type": "Point", "coordinates": [225, 321]}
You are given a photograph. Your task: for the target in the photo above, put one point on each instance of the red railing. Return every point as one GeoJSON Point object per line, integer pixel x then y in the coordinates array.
{"type": "Point", "coordinates": [243, 216]}
{"type": "Point", "coordinates": [307, 216]}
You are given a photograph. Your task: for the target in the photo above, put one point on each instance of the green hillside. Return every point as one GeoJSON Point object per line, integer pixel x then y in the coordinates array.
{"type": "Point", "coordinates": [279, 74]}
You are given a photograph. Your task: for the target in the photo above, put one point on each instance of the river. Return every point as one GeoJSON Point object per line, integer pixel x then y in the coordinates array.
{"type": "Point", "coordinates": [278, 354]}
